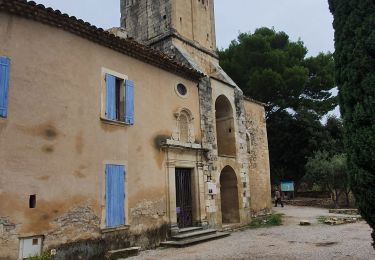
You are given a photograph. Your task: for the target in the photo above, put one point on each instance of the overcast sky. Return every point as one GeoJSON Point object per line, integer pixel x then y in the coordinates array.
{"type": "Point", "coordinates": [309, 20]}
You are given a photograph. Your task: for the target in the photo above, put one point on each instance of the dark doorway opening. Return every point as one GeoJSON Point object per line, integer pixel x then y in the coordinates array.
{"type": "Point", "coordinates": [229, 196]}
{"type": "Point", "coordinates": [184, 201]}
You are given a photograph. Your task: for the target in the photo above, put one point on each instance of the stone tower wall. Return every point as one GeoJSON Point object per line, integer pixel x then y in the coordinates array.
{"type": "Point", "coordinates": [149, 21]}
{"type": "Point", "coordinates": [146, 20]}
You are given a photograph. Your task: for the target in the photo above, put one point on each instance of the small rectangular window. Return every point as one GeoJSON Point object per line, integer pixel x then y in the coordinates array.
{"type": "Point", "coordinates": [32, 201]}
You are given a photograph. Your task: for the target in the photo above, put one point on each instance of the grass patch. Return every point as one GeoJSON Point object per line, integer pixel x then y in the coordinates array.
{"type": "Point", "coordinates": [321, 219]}
{"type": "Point", "coordinates": [44, 256]}
{"type": "Point", "coordinates": [266, 221]}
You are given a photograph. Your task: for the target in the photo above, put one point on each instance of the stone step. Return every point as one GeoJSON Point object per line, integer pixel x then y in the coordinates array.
{"type": "Point", "coordinates": [189, 229]}
{"type": "Point", "coordinates": [193, 234]}
{"type": "Point", "coordinates": [122, 253]}
{"type": "Point", "coordinates": [195, 240]}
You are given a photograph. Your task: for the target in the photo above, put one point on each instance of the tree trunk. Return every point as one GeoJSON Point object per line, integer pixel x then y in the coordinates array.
{"type": "Point", "coordinates": [335, 198]}
{"type": "Point", "coordinates": [347, 198]}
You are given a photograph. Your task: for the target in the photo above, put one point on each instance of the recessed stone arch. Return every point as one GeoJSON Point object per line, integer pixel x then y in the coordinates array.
{"type": "Point", "coordinates": [184, 131]}
{"type": "Point", "coordinates": [225, 133]}
{"type": "Point", "coordinates": [229, 196]}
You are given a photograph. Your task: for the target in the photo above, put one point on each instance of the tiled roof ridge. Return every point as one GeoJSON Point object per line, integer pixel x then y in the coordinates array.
{"type": "Point", "coordinates": [50, 16]}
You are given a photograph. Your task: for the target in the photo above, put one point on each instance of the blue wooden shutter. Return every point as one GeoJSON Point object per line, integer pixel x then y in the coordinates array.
{"type": "Point", "coordinates": [129, 102]}
{"type": "Point", "coordinates": [4, 85]}
{"type": "Point", "coordinates": [110, 101]}
{"type": "Point", "coordinates": [115, 195]}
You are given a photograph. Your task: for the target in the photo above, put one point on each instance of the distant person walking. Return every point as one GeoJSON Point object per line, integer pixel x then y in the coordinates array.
{"type": "Point", "coordinates": [278, 197]}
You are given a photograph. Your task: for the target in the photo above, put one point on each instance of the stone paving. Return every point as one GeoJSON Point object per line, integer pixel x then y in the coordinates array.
{"type": "Point", "coordinates": [290, 241]}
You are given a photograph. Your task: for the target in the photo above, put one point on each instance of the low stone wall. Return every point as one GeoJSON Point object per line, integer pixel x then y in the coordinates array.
{"type": "Point", "coordinates": [313, 194]}
{"type": "Point", "coordinates": [321, 203]}
{"type": "Point", "coordinates": [344, 211]}
{"type": "Point", "coordinates": [76, 234]}
{"type": "Point", "coordinates": [93, 249]}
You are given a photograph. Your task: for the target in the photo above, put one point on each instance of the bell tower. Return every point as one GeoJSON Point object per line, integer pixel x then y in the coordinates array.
{"type": "Point", "coordinates": [158, 23]}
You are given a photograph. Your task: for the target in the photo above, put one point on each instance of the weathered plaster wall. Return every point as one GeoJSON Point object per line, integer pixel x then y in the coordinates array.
{"type": "Point", "coordinates": [54, 144]}
{"type": "Point", "coordinates": [259, 169]}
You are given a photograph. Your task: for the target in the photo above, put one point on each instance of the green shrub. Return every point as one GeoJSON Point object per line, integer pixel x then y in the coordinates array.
{"type": "Point", "coordinates": [266, 221]}
{"type": "Point", "coordinates": [44, 256]}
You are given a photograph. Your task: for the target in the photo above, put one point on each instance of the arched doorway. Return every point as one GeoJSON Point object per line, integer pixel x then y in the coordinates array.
{"type": "Point", "coordinates": [226, 142]}
{"type": "Point", "coordinates": [229, 196]}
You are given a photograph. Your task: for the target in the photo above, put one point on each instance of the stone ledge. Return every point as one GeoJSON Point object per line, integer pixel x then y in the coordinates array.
{"type": "Point", "coordinates": [177, 144]}
{"type": "Point", "coordinates": [109, 230]}
{"type": "Point", "coordinates": [344, 211]}
{"type": "Point", "coordinates": [122, 253]}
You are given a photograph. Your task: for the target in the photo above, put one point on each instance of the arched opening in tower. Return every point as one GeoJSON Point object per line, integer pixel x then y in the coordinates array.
{"type": "Point", "coordinates": [225, 133]}
{"type": "Point", "coordinates": [229, 196]}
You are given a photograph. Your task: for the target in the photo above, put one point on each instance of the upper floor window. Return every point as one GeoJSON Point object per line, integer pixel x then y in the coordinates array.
{"type": "Point", "coordinates": [4, 85]}
{"type": "Point", "coordinates": [225, 133]}
{"type": "Point", "coordinates": [119, 99]}
{"type": "Point", "coordinates": [181, 90]}
{"type": "Point", "coordinates": [184, 127]}
{"type": "Point", "coordinates": [184, 131]}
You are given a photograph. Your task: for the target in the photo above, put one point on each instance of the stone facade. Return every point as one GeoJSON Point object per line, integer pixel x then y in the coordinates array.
{"type": "Point", "coordinates": [182, 38]}
{"type": "Point", "coordinates": [58, 141]}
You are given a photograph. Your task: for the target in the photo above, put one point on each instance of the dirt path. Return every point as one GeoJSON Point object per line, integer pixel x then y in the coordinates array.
{"type": "Point", "coordinates": [290, 241]}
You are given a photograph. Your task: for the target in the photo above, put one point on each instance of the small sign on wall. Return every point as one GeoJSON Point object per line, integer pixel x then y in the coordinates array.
{"type": "Point", "coordinates": [211, 187]}
{"type": "Point", "coordinates": [287, 186]}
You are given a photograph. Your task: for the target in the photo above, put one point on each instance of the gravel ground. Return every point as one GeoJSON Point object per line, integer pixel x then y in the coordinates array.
{"type": "Point", "coordinates": [290, 241]}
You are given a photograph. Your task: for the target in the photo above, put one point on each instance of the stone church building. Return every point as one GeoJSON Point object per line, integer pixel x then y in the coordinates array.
{"type": "Point", "coordinates": [122, 138]}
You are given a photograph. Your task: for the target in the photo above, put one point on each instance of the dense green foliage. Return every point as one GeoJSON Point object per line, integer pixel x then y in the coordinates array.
{"type": "Point", "coordinates": [292, 139]}
{"type": "Point", "coordinates": [354, 23]}
{"type": "Point", "coordinates": [328, 172]}
{"type": "Point", "coordinates": [270, 68]}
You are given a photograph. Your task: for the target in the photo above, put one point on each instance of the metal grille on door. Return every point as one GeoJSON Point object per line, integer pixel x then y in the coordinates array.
{"type": "Point", "coordinates": [184, 207]}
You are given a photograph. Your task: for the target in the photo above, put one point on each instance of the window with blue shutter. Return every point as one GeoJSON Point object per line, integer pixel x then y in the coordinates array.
{"type": "Point", "coordinates": [110, 101]}
{"type": "Point", "coordinates": [129, 102]}
{"type": "Point", "coordinates": [114, 195]}
{"type": "Point", "coordinates": [4, 85]}
{"type": "Point", "coordinates": [119, 98]}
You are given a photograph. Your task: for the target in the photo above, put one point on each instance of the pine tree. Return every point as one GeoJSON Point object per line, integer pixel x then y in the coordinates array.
{"type": "Point", "coordinates": [354, 24]}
